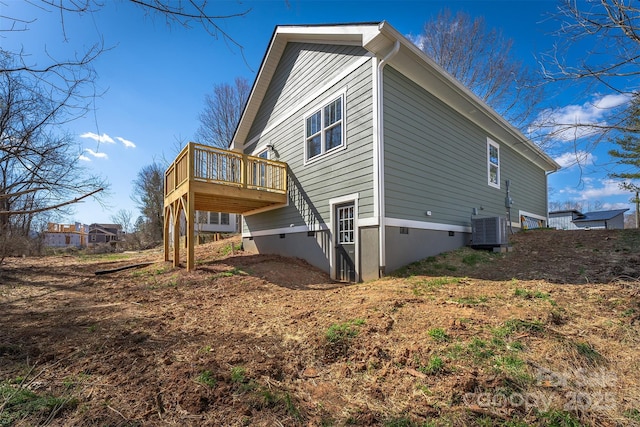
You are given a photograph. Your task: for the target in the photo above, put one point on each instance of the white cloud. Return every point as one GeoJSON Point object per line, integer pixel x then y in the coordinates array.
{"type": "Point", "coordinates": [418, 40]}
{"type": "Point", "coordinates": [595, 190]}
{"type": "Point", "coordinates": [84, 158]}
{"type": "Point", "coordinates": [575, 121]}
{"type": "Point", "coordinates": [612, 101]}
{"type": "Point", "coordinates": [609, 188]}
{"type": "Point", "coordinates": [571, 159]}
{"type": "Point", "coordinates": [96, 155]}
{"type": "Point", "coordinates": [612, 206]}
{"type": "Point", "coordinates": [98, 138]}
{"type": "Point", "coordinates": [127, 143]}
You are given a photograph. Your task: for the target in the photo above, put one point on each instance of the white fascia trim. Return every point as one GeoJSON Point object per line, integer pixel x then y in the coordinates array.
{"type": "Point", "coordinates": [362, 222]}
{"type": "Point", "coordinates": [344, 199]}
{"type": "Point", "coordinates": [286, 230]}
{"type": "Point", "coordinates": [328, 33]}
{"type": "Point", "coordinates": [397, 222]}
{"type": "Point", "coordinates": [368, 222]}
{"type": "Point", "coordinates": [300, 104]}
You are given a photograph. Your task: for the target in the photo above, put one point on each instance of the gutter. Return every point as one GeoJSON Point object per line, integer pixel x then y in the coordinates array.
{"type": "Point", "coordinates": [381, 198]}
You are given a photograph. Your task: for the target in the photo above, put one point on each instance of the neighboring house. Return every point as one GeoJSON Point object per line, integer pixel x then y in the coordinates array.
{"type": "Point", "coordinates": [563, 220]}
{"type": "Point", "coordinates": [66, 235]}
{"type": "Point", "coordinates": [214, 222]}
{"type": "Point", "coordinates": [358, 153]}
{"type": "Point", "coordinates": [105, 233]}
{"type": "Point", "coordinates": [575, 220]}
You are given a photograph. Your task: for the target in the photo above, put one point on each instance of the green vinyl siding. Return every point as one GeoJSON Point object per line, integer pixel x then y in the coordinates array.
{"type": "Point", "coordinates": [343, 172]}
{"type": "Point", "coordinates": [302, 68]}
{"type": "Point", "coordinates": [436, 160]}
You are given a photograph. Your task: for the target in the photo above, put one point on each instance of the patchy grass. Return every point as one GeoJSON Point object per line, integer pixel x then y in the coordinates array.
{"type": "Point", "coordinates": [18, 403]}
{"type": "Point", "coordinates": [340, 332]}
{"type": "Point", "coordinates": [423, 286]}
{"type": "Point", "coordinates": [206, 378]}
{"type": "Point", "coordinates": [467, 338]}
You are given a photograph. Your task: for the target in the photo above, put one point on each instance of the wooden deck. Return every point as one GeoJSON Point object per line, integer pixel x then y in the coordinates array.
{"type": "Point", "coordinates": [206, 178]}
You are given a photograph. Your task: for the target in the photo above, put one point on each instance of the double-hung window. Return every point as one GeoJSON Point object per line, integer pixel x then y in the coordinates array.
{"type": "Point", "coordinates": [324, 129]}
{"type": "Point", "coordinates": [493, 163]}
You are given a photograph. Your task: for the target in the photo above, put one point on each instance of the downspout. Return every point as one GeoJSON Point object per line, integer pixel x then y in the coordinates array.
{"type": "Point", "coordinates": [546, 184]}
{"type": "Point", "coordinates": [381, 198]}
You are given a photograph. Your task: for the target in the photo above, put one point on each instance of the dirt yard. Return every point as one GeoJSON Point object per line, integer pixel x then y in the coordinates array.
{"type": "Point", "coordinates": [548, 334]}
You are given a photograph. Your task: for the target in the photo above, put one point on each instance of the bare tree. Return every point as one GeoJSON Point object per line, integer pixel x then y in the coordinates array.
{"type": "Point", "coordinates": [222, 111]}
{"type": "Point", "coordinates": [597, 46]}
{"type": "Point", "coordinates": [39, 167]}
{"type": "Point", "coordinates": [577, 205]}
{"type": "Point", "coordinates": [483, 61]}
{"type": "Point", "coordinates": [148, 194]}
{"type": "Point", "coordinates": [123, 217]}
{"type": "Point", "coordinates": [628, 152]}
{"type": "Point", "coordinates": [603, 38]}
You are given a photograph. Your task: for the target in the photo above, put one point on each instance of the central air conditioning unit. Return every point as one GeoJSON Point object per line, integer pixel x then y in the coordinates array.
{"type": "Point", "coordinates": [490, 231]}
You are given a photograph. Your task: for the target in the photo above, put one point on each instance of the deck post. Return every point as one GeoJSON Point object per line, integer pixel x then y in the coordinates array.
{"type": "Point", "coordinates": [176, 233]}
{"type": "Point", "coordinates": [225, 180]}
{"type": "Point", "coordinates": [243, 166]}
{"type": "Point", "coordinates": [165, 231]}
{"type": "Point", "coordinates": [190, 216]}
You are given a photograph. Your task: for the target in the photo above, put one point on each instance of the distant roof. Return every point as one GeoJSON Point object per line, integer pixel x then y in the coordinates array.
{"type": "Point", "coordinates": [569, 211]}
{"type": "Point", "coordinates": [601, 215]}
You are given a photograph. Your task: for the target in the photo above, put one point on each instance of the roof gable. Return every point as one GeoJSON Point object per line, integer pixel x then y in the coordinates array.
{"type": "Point", "coordinates": [601, 215]}
{"type": "Point", "coordinates": [379, 39]}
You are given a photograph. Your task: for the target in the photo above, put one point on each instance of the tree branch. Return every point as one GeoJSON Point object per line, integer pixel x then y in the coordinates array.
{"type": "Point", "coordinates": [48, 208]}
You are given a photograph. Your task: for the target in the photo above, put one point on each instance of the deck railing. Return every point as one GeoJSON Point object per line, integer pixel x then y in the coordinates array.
{"type": "Point", "coordinates": [217, 166]}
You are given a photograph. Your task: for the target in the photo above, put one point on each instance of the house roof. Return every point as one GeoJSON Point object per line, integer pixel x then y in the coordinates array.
{"type": "Point", "coordinates": [379, 39]}
{"type": "Point", "coordinates": [600, 215]}
{"type": "Point", "coordinates": [565, 212]}
{"type": "Point", "coordinates": [103, 229]}
{"type": "Point", "coordinates": [570, 212]}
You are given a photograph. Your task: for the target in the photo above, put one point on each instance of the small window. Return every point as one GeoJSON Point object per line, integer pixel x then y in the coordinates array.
{"type": "Point", "coordinates": [493, 163]}
{"type": "Point", "coordinates": [345, 224]}
{"type": "Point", "coordinates": [259, 172]}
{"type": "Point", "coordinates": [213, 217]}
{"type": "Point", "coordinates": [224, 218]}
{"type": "Point", "coordinates": [324, 129]}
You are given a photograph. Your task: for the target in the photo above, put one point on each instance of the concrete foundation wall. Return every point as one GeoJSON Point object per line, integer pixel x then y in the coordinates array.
{"type": "Point", "coordinates": [314, 249]}
{"type": "Point", "coordinates": [403, 249]}
{"type": "Point", "coordinates": [369, 256]}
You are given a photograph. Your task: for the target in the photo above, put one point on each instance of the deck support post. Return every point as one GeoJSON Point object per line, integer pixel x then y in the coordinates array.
{"type": "Point", "coordinates": [166, 223]}
{"type": "Point", "coordinates": [213, 179]}
{"type": "Point", "coordinates": [190, 216]}
{"type": "Point", "coordinates": [176, 233]}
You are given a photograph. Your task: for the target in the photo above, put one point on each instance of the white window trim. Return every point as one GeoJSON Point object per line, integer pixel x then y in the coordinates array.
{"type": "Point", "coordinates": [490, 143]}
{"type": "Point", "coordinates": [263, 150]}
{"type": "Point", "coordinates": [530, 215]}
{"type": "Point", "coordinates": [320, 107]}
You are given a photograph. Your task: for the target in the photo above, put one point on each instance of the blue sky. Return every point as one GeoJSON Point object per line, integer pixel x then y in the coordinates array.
{"type": "Point", "coordinates": [156, 75]}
